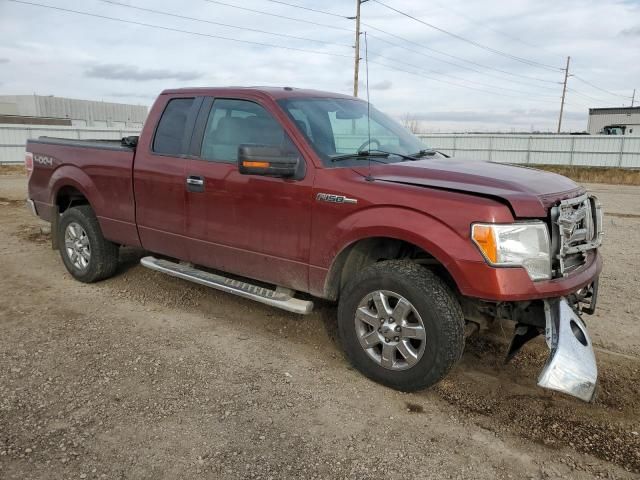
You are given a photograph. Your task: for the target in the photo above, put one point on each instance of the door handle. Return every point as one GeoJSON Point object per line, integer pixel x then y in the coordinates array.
{"type": "Point", "coordinates": [195, 183]}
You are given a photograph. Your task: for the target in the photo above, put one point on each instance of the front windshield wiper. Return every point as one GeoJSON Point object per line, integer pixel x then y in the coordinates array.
{"type": "Point", "coordinates": [424, 153]}
{"type": "Point", "coordinates": [368, 154]}
{"type": "Point", "coordinates": [401, 155]}
{"type": "Point", "coordinates": [361, 155]}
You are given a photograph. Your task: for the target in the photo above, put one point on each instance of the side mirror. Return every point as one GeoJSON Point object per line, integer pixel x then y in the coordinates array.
{"type": "Point", "coordinates": [267, 160]}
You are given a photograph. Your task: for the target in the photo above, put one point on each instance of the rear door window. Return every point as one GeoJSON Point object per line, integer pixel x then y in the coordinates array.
{"type": "Point", "coordinates": [170, 138]}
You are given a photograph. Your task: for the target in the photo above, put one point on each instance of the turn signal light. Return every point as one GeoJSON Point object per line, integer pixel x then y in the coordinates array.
{"type": "Point", "coordinates": [485, 238]}
{"type": "Point", "coordinates": [251, 164]}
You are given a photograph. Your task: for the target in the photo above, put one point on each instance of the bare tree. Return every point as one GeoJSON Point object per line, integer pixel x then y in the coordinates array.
{"type": "Point", "coordinates": [411, 123]}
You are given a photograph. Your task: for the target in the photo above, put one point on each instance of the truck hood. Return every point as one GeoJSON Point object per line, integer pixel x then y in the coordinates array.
{"type": "Point", "coordinates": [528, 191]}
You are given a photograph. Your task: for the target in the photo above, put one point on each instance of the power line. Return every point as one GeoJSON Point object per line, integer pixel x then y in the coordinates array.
{"type": "Point", "coordinates": [211, 22]}
{"type": "Point", "coordinates": [262, 12]}
{"type": "Point", "coordinates": [400, 46]}
{"type": "Point", "coordinates": [170, 29]}
{"type": "Point", "coordinates": [465, 67]}
{"type": "Point", "coordinates": [308, 9]}
{"type": "Point", "coordinates": [593, 99]}
{"type": "Point", "coordinates": [459, 78]}
{"type": "Point", "coordinates": [484, 25]}
{"type": "Point", "coordinates": [529, 62]}
{"type": "Point", "coordinates": [600, 88]}
{"type": "Point", "coordinates": [471, 62]}
{"type": "Point", "coordinates": [572, 90]}
{"type": "Point", "coordinates": [447, 82]}
{"type": "Point", "coordinates": [280, 2]}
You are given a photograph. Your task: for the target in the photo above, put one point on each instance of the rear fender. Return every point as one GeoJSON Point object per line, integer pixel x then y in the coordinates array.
{"type": "Point", "coordinates": [72, 176]}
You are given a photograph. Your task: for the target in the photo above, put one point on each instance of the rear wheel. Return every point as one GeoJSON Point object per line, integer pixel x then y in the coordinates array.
{"type": "Point", "coordinates": [88, 256]}
{"type": "Point", "coordinates": [401, 325]}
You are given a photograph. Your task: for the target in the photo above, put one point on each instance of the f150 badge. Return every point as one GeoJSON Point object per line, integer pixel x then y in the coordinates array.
{"type": "Point", "coordinates": [331, 198]}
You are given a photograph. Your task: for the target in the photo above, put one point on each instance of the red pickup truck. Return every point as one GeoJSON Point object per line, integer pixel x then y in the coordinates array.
{"type": "Point", "coordinates": [277, 193]}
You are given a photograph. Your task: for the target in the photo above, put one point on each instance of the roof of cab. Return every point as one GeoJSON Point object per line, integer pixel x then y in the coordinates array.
{"type": "Point", "coordinates": [274, 92]}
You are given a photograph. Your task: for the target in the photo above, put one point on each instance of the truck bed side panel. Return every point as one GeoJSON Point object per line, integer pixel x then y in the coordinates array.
{"type": "Point", "coordinates": [101, 174]}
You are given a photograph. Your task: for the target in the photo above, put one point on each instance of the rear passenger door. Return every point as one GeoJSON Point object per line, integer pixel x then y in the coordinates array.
{"type": "Point", "coordinates": [253, 226]}
{"type": "Point", "coordinates": [160, 177]}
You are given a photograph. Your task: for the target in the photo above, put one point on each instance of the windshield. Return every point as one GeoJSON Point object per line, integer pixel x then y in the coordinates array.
{"type": "Point", "coordinates": [338, 126]}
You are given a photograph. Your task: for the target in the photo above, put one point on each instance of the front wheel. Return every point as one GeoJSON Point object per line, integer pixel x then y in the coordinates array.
{"type": "Point", "coordinates": [401, 325]}
{"type": "Point", "coordinates": [88, 256]}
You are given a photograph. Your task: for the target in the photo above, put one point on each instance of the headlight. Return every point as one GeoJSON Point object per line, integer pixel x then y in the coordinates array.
{"type": "Point", "coordinates": [523, 244]}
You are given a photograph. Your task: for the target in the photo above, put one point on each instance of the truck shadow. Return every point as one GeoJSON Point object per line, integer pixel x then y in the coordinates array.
{"type": "Point", "coordinates": [130, 258]}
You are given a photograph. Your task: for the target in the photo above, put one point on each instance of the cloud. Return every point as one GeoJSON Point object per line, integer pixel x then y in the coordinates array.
{"type": "Point", "coordinates": [151, 96]}
{"type": "Point", "coordinates": [4, 60]}
{"type": "Point", "coordinates": [631, 32]}
{"type": "Point", "coordinates": [114, 71]}
{"type": "Point", "coordinates": [115, 65]}
{"type": "Point", "coordinates": [383, 85]}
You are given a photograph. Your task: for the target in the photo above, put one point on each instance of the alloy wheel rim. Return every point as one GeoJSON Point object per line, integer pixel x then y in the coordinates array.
{"type": "Point", "coordinates": [77, 246]}
{"type": "Point", "coordinates": [390, 330]}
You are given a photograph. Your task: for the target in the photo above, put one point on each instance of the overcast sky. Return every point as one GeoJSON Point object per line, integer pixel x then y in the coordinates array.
{"type": "Point", "coordinates": [59, 53]}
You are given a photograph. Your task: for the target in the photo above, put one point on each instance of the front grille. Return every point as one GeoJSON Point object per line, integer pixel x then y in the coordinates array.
{"type": "Point", "coordinates": [576, 228]}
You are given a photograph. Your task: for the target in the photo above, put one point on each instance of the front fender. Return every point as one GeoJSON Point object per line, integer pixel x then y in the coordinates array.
{"type": "Point", "coordinates": [447, 245]}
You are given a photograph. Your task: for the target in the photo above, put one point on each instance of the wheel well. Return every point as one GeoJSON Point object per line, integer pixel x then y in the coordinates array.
{"type": "Point", "coordinates": [68, 197]}
{"type": "Point", "coordinates": [368, 251]}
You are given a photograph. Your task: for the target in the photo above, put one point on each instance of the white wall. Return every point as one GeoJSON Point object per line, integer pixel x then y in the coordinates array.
{"type": "Point", "coordinates": [13, 138]}
{"type": "Point", "coordinates": [94, 113]}
{"type": "Point", "coordinates": [581, 150]}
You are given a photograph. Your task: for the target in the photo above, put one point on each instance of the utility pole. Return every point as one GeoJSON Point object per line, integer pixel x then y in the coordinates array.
{"type": "Point", "coordinates": [356, 66]}
{"type": "Point", "coordinates": [633, 97]}
{"type": "Point", "coordinates": [564, 92]}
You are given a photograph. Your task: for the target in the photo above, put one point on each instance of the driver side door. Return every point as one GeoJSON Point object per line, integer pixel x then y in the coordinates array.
{"type": "Point", "coordinates": [249, 225]}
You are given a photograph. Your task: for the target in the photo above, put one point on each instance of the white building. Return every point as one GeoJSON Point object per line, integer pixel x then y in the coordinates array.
{"type": "Point", "coordinates": [614, 121]}
{"type": "Point", "coordinates": [38, 109]}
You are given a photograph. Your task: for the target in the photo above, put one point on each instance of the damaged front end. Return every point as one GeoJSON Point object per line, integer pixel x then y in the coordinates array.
{"type": "Point", "coordinates": [575, 227]}
{"type": "Point", "coordinates": [571, 367]}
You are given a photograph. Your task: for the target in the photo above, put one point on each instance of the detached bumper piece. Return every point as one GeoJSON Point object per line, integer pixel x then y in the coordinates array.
{"type": "Point", "coordinates": [571, 367]}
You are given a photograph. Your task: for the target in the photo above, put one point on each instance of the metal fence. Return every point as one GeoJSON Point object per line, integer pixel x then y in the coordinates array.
{"type": "Point", "coordinates": [13, 138]}
{"type": "Point", "coordinates": [587, 150]}
{"type": "Point", "coordinates": [580, 150]}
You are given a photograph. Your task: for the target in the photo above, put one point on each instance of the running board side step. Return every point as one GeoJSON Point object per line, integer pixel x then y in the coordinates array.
{"type": "Point", "coordinates": [280, 297]}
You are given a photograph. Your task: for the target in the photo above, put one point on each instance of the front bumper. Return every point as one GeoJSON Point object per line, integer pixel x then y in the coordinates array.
{"type": "Point", "coordinates": [479, 280]}
{"type": "Point", "coordinates": [571, 367]}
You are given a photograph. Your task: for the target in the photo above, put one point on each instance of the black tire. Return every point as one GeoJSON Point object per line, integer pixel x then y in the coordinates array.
{"type": "Point", "coordinates": [103, 260]}
{"type": "Point", "coordinates": [433, 300]}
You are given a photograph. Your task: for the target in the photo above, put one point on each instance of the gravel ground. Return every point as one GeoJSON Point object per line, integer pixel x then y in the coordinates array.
{"type": "Point", "coordinates": [147, 376]}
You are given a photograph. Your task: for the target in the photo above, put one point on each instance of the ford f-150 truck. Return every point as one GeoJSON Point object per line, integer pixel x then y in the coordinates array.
{"type": "Point", "coordinates": [281, 195]}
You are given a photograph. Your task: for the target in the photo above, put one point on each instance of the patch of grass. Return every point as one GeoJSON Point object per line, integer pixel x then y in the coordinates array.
{"type": "Point", "coordinates": [12, 169]}
{"type": "Point", "coordinates": [613, 176]}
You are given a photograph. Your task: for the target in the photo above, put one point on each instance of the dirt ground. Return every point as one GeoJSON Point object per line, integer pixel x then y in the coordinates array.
{"type": "Point", "coordinates": [146, 376]}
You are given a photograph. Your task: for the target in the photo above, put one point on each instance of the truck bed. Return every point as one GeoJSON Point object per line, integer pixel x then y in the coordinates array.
{"type": "Point", "coordinates": [126, 144]}
{"type": "Point", "coordinates": [98, 170]}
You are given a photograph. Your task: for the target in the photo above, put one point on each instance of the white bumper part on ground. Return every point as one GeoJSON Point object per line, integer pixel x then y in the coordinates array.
{"type": "Point", "coordinates": [571, 367]}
